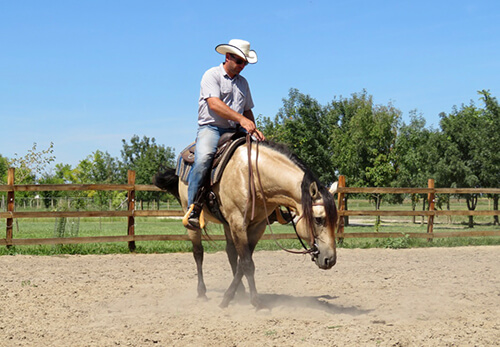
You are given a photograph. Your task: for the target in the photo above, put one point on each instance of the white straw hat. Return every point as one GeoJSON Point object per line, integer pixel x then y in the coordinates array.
{"type": "Point", "coordinates": [239, 47]}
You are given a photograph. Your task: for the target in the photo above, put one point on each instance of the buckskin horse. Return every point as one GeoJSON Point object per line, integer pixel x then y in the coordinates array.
{"type": "Point", "coordinates": [279, 178]}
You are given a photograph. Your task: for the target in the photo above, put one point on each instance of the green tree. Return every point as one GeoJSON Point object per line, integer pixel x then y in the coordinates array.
{"type": "Point", "coordinates": [145, 157]}
{"type": "Point", "coordinates": [302, 125]}
{"type": "Point", "coordinates": [50, 198]}
{"type": "Point", "coordinates": [32, 164]}
{"type": "Point", "coordinates": [30, 167]}
{"type": "Point", "coordinates": [463, 160]}
{"type": "Point", "coordinates": [66, 173]}
{"type": "Point", "coordinates": [362, 141]}
{"type": "Point", "coordinates": [489, 156]}
{"type": "Point", "coordinates": [415, 152]}
{"type": "Point", "coordinates": [99, 167]}
{"type": "Point", "coordinates": [4, 167]}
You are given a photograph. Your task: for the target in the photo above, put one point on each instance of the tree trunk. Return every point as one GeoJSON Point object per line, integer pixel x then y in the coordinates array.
{"type": "Point", "coordinates": [414, 206]}
{"type": "Point", "coordinates": [346, 218]}
{"type": "Point", "coordinates": [471, 205]}
{"type": "Point", "coordinates": [378, 200]}
{"type": "Point", "coordinates": [424, 200]}
{"type": "Point", "coordinates": [495, 207]}
{"type": "Point", "coordinates": [450, 221]}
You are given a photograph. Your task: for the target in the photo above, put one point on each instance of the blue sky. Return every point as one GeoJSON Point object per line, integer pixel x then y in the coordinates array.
{"type": "Point", "coordinates": [87, 74]}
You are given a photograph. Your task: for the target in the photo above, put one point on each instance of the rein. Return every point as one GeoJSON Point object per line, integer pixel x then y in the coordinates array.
{"type": "Point", "coordinates": [253, 196]}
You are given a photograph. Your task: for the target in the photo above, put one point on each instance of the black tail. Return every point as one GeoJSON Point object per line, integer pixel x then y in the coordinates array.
{"type": "Point", "coordinates": [168, 181]}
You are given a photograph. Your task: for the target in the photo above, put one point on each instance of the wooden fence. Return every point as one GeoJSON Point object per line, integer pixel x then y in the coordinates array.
{"type": "Point", "coordinates": [131, 213]}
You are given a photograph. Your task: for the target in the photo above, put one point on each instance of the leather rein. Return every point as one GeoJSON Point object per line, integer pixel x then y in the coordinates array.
{"type": "Point", "coordinates": [253, 197]}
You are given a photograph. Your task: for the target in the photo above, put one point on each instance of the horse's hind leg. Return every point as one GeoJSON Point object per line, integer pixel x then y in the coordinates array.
{"type": "Point", "coordinates": [198, 253]}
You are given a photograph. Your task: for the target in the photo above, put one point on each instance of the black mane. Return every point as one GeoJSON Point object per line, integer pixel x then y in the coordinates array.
{"type": "Point", "coordinates": [287, 152]}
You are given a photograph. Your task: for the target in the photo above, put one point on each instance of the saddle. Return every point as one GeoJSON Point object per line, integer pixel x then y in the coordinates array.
{"type": "Point", "coordinates": [226, 146]}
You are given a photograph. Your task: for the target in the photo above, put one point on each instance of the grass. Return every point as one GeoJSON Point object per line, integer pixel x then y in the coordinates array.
{"type": "Point", "coordinates": [46, 228]}
{"type": "Point", "coordinates": [51, 227]}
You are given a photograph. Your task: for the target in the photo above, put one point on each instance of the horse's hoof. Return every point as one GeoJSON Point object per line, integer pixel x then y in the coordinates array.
{"type": "Point", "coordinates": [241, 293]}
{"type": "Point", "coordinates": [258, 304]}
{"type": "Point", "coordinates": [202, 297]}
{"type": "Point", "coordinates": [224, 303]}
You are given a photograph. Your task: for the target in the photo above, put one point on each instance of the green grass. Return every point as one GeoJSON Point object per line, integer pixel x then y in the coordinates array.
{"type": "Point", "coordinates": [47, 228]}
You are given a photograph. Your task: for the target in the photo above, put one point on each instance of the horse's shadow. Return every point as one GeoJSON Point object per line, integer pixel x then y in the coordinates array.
{"type": "Point", "coordinates": [321, 303]}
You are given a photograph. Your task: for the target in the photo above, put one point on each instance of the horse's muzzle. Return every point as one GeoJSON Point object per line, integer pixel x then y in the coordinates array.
{"type": "Point", "coordinates": [324, 259]}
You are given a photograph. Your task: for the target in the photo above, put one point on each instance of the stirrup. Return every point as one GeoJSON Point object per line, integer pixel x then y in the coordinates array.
{"type": "Point", "coordinates": [200, 220]}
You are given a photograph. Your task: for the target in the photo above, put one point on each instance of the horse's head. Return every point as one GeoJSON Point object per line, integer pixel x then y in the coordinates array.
{"type": "Point", "coordinates": [319, 215]}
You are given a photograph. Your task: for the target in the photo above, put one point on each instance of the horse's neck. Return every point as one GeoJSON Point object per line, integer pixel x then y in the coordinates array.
{"type": "Point", "coordinates": [281, 178]}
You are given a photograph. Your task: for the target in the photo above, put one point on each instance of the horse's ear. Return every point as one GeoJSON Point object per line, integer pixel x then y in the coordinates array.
{"type": "Point", "coordinates": [333, 188]}
{"type": "Point", "coordinates": [314, 191]}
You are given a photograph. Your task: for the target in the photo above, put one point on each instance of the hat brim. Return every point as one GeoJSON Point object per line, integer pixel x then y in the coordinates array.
{"type": "Point", "coordinates": [225, 48]}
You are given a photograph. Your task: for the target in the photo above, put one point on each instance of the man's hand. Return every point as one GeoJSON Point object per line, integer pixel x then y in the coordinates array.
{"type": "Point", "coordinates": [246, 120]}
{"type": "Point", "coordinates": [250, 127]}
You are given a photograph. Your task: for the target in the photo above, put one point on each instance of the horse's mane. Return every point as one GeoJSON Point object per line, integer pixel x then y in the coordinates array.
{"type": "Point", "coordinates": [283, 149]}
{"type": "Point", "coordinates": [309, 178]}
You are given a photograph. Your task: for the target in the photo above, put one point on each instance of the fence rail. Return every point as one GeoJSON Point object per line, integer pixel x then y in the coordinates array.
{"type": "Point", "coordinates": [131, 213]}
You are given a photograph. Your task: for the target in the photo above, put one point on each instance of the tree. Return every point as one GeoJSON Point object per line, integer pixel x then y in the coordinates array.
{"type": "Point", "coordinates": [31, 165]}
{"type": "Point", "coordinates": [49, 198]}
{"type": "Point", "coordinates": [302, 125]}
{"type": "Point", "coordinates": [99, 167]}
{"type": "Point", "coordinates": [415, 152]}
{"type": "Point", "coordinates": [363, 140]}
{"type": "Point", "coordinates": [4, 167]}
{"type": "Point", "coordinates": [462, 161]}
{"type": "Point", "coordinates": [489, 156]}
{"type": "Point", "coordinates": [145, 157]}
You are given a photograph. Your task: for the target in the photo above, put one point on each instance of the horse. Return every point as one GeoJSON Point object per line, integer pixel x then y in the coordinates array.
{"type": "Point", "coordinates": [280, 179]}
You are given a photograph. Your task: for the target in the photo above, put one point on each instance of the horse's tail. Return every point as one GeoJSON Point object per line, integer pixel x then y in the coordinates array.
{"type": "Point", "coordinates": [168, 181]}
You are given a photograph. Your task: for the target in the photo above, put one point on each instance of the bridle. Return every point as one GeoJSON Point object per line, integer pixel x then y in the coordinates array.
{"type": "Point", "coordinates": [313, 251]}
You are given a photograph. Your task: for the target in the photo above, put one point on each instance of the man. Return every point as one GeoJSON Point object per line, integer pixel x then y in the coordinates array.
{"type": "Point", "coordinates": [225, 103]}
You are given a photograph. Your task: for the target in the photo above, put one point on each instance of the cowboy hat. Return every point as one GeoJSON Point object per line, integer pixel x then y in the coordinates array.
{"type": "Point", "coordinates": [239, 47]}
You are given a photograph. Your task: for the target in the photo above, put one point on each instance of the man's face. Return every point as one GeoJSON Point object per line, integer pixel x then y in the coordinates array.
{"type": "Point", "coordinates": [235, 64]}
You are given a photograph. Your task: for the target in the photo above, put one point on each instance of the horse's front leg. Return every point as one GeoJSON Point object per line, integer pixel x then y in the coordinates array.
{"type": "Point", "coordinates": [245, 243]}
{"type": "Point", "coordinates": [245, 267]}
{"type": "Point", "coordinates": [198, 252]}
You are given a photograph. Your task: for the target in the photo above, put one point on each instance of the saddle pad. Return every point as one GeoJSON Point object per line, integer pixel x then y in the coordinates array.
{"type": "Point", "coordinates": [183, 168]}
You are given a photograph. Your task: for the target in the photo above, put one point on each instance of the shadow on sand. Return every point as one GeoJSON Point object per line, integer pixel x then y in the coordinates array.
{"type": "Point", "coordinates": [321, 303]}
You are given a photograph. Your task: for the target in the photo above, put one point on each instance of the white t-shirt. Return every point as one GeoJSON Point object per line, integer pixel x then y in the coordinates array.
{"type": "Point", "coordinates": [233, 92]}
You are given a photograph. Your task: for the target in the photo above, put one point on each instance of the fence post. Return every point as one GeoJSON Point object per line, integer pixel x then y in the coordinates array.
{"type": "Point", "coordinates": [10, 205]}
{"type": "Point", "coordinates": [432, 198]}
{"type": "Point", "coordinates": [341, 204]}
{"type": "Point", "coordinates": [131, 208]}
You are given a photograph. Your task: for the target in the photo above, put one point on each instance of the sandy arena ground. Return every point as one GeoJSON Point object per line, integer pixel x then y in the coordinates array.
{"type": "Point", "coordinates": [373, 297]}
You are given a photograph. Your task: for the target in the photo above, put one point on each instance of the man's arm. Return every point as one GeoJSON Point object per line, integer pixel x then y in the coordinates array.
{"type": "Point", "coordinates": [246, 120]}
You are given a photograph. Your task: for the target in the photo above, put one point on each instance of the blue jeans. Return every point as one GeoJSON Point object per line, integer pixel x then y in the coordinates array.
{"type": "Point", "coordinates": [206, 144]}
